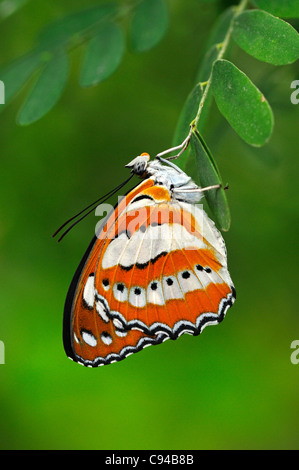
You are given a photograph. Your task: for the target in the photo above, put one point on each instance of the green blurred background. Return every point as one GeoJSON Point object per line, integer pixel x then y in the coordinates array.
{"type": "Point", "coordinates": [232, 387]}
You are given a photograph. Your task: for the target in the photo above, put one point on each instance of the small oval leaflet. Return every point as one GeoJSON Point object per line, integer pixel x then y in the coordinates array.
{"type": "Point", "coordinates": [149, 24]}
{"type": "Point", "coordinates": [103, 55]}
{"type": "Point", "coordinates": [61, 31]}
{"type": "Point", "coordinates": [266, 37]}
{"type": "Point", "coordinates": [46, 91]}
{"type": "Point", "coordinates": [16, 74]}
{"type": "Point", "coordinates": [242, 103]}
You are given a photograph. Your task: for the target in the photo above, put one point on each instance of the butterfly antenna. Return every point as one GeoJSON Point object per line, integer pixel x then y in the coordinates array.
{"type": "Point", "coordinates": [102, 198]}
{"type": "Point", "coordinates": [73, 225]}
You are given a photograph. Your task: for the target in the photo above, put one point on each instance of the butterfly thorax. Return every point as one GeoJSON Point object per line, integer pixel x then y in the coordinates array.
{"type": "Point", "coordinates": [170, 176]}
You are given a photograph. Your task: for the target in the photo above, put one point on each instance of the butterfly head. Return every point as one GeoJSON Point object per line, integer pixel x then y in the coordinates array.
{"type": "Point", "coordinates": [170, 176]}
{"type": "Point", "coordinates": [139, 164]}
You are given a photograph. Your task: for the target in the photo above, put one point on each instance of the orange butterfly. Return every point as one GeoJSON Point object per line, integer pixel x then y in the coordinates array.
{"type": "Point", "coordinates": [156, 269]}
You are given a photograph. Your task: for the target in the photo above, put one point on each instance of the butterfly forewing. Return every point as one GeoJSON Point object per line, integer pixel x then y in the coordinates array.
{"type": "Point", "coordinates": [157, 270]}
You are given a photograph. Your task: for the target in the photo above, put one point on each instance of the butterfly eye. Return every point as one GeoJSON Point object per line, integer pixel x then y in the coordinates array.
{"type": "Point", "coordinates": [139, 164]}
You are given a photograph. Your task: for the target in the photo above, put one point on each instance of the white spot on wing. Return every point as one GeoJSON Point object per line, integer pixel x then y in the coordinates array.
{"type": "Point", "coordinates": [106, 287]}
{"type": "Point", "coordinates": [117, 323]}
{"type": "Point", "coordinates": [101, 309]}
{"type": "Point", "coordinates": [155, 296]}
{"type": "Point", "coordinates": [89, 338]}
{"type": "Point", "coordinates": [190, 283]}
{"type": "Point", "coordinates": [206, 227]}
{"type": "Point", "coordinates": [137, 296]}
{"type": "Point", "coordinates": [114, 251]}
{"type": "Point", "coordinates": [120, 292]}
{"type": "Point", "coordinates": [106, 338]}
{"type": "Point", "coordinates": [207, 278]}
{"type": "Point", "coordinates": [89, 292]}
{"type": "Point", "coordinates": [127, 252]}
{"type": "Point", "coordinates": [171, 288]}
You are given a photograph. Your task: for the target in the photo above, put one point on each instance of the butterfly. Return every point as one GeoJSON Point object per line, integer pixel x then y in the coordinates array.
{"type": "Point", "coordinates": [156, 268]}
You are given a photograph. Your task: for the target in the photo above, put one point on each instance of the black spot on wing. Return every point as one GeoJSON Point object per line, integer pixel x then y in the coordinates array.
{"type": "Point", "coordinates": [144, 265]}
{"type": "Point", "coordinates": [140, 198]}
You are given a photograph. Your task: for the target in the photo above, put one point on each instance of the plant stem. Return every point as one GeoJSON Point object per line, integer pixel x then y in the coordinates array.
{"type": "Point", "coordinates": [222, 49]}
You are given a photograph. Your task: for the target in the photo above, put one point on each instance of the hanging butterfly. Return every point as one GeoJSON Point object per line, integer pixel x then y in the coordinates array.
{"type": "Point", "coordinates": [156, 269]}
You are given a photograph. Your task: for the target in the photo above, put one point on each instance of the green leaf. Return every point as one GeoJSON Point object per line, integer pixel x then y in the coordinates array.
{"type": "Point", "coordinates": [16, 74]}
{"type": "Point", "coordinates": [206, 66]}
{"type": "Point", "coordinates": [220, 28]}
{"type": "Point", "coordinates": [61, 31]}
{"type": "Point", "coordinates": [266, 37]}
{"type": "Point", "coordinates": [103, 55]}
{"type": "Point", "coordinates": [242, 103]}
{"type": "Point", "coordinates": [149, 24]}
{"type": "Point", "coordinates": [46, 91]}
{"type": "Point", "coordinates": [10, 7]}
{"type": "Point", "coordinates": [282, 8]}
{"type": "Point", "coordinates": [208, 174]}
